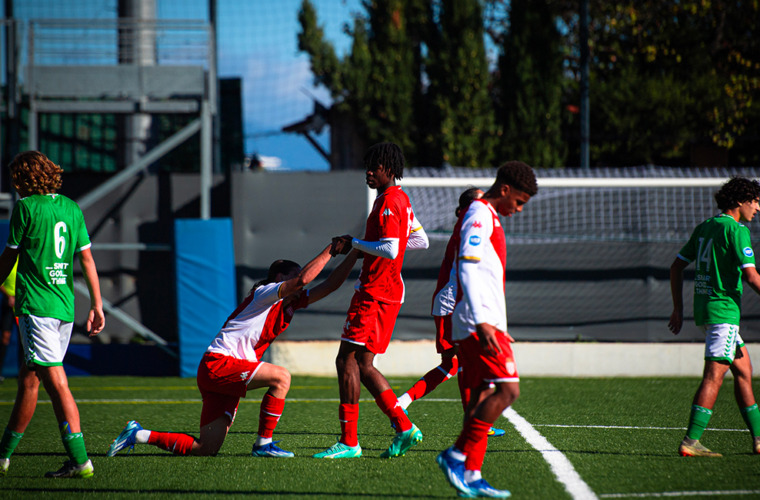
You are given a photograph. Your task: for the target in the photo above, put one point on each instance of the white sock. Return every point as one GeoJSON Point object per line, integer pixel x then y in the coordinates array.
{"type": "Point", "coordinates": [457, 455]}
{"type": "Point", "coordinates": [404, 400]}
{"type": "Point", "coordinates": [470, 476]}
{"type": "Point", "coordinates": [142, 436]}
{"type": "Point", "coordinates": [261, 441]}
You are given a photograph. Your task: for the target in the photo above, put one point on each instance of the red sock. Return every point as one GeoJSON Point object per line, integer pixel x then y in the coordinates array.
{"type": "Point", "coordinates": [473, 442]}
{"type": "Point", "coordinates": [349, 424]}
{"type": "Point", "coordinates": [175, 442]}
{"type": "Point", "coordinates": [432, 379]}
{"type": "Point", "coordinates": [464, 392]}
{"type": "Point", "coordinates": [388, 403]}
{"type": "Point", "coordinates": [269, 414]}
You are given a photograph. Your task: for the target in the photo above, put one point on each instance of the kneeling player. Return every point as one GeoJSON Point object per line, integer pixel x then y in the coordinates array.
{"type": "Point", "coordinates": [231, 365]}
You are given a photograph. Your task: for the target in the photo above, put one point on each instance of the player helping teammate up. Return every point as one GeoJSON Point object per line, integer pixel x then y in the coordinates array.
{"type": "Point", "coordinates": [232, 364]}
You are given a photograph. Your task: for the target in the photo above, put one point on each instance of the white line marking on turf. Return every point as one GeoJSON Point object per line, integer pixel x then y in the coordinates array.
{"type": "Point", "coordinates": [669, 494]}
{"type": "Point", "coordinates": [561, 467]}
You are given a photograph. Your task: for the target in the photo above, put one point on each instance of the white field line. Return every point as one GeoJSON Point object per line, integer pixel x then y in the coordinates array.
{"type": "Point", "coordinates": [561, 467]}
{"type": "Point", "coordinates": [675, 494]}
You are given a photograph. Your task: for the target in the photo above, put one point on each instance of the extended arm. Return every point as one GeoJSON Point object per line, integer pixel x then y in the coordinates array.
{"type": "Point", "coordinates": [307, 274]}
{"type": "Point", "coordinates": [95, 319]}
{"type": "Point", "coordinates": [335, 279]}
{"type": "Point", "coordinates": [676, 292]}
{"type": "Point", "coordinates": [386, 247]}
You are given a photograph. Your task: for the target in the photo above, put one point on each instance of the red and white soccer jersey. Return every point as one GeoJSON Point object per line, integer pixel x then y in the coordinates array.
{"type": "Point", "coordinates": [391, 217]}
{"type": "Point", "coordinates": [482, 256]}
{"type": "Point", "coordinates": [256, 322]}
{"type": "Point", "coordinates": [445, 295]}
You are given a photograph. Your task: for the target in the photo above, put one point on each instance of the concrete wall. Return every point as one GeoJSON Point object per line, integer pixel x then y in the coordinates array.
{"type": "Point", "coordinates": [534, 359]}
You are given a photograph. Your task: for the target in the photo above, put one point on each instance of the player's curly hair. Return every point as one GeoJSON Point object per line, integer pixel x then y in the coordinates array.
{"type": "Point", "coordinates": [467, 197]}
{"type": "Point", "coordinates": [737, 190]}
{"type": "Point", "coordinates": [33, 173]}
{"type": "Point", "coordinates": [387, 154]}
{"type": "Point", "coordinates": [278, 267]}
{"type": "Point", "coordinates": [519, 175]}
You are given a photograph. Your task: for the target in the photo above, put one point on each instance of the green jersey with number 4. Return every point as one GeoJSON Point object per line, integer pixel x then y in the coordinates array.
{"type": "Point", "coordinates": [47, 230]}
{"type": "Point", "coordinates": [720, 248]}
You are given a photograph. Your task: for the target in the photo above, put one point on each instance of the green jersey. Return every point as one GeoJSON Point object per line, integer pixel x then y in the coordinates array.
{"type": "Point", "coordinates": [720, 248]}
{"type": "Point", "coordinates": [47, 230]}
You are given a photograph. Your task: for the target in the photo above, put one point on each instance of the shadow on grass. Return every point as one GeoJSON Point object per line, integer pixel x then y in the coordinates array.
{"type": "Point", "coordinates": [196, 493]}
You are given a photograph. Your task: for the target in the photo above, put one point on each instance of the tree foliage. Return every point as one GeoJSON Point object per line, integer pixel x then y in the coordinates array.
{"type": "Point", "coordinates": [529, 83]}
{"type": "Point", "coordinates": [665, 76]}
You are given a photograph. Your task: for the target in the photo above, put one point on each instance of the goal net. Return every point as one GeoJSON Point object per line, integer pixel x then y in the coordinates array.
{"type": "Point", "coordinates": [589, 256]}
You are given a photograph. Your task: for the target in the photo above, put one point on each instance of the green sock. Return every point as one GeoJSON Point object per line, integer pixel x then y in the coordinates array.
{"type": "Point", "coordinates": [9, 442]}
{"type": "Point", "coordinates": [73, 442]}
{"type": "Point", "coordinates": [751, 416]}
{"type": "Point", "coordinates": [698, 422]}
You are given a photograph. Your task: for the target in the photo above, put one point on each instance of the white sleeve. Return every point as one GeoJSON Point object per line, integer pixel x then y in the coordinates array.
{"type": "Point", "coordinates": [468, 279]}
{"type": "Point", "coordinates": [267, 294]}
{"type": "Point", "coordinates": [386, 247]}
{"type": "Point", "coordinates": [418, 238]}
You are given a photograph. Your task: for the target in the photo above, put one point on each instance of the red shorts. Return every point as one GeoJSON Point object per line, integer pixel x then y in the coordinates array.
{"type": "Point", "coordinates": [479, 366]}
{"type": "Point", "coordinates": [370, 322]}
{"type": "Point", "coordinates": [223, 380]}
{"type": "Point", "coordinates": [443, 340]}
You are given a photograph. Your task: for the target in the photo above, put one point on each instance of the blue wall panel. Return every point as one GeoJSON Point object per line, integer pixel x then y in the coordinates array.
{"type": "Point", "coordinates": [205, 270]}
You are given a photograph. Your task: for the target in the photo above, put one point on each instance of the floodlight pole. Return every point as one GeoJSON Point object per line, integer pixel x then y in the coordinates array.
{"type": "Point", "coordinates": [584, 19]}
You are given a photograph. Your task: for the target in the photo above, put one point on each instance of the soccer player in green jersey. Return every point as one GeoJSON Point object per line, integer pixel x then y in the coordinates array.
{"type": "Point", "coordinates": [46, 231]}
{"type": "Point", "coordinates": [722, 253]}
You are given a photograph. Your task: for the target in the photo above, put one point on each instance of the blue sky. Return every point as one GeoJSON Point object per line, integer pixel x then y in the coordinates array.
{"type": "Point", "coordinates": [257, 42]}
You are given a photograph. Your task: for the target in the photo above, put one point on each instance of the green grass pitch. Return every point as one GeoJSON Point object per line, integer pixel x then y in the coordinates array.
{"type": "Point", "coordinates": [619, 434]}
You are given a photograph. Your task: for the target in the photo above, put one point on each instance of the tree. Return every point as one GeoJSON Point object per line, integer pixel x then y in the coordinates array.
{"type": "Point", "coordinates": [417, 75]}
{"type": "Point", "coordinates": [667, 75]}
{"type": "Point", "coordinates": [376, 83]}
{"type": "Point", "coordinates": [459, 86]}
{"type": "Point", "coordinates": [529, 86]}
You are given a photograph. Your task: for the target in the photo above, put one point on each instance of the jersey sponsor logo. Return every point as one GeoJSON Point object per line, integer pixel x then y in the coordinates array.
{"type": "Point", "coordinates": [475, 240]}
{"type": "Point", "coordinates": [748, 252]}
{"type": "Point", "coordinates": [387, 212]}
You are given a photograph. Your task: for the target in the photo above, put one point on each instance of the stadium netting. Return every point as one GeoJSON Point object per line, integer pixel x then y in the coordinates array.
{"type": "Point", "coordinates": [589, 256]}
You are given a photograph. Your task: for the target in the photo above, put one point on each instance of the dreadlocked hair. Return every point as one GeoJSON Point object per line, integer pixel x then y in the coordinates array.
{"type": "Point", "coordinates": [737, 190]}
{"type": "Point", "coordinates": [277, 267]}
{"type": "Point", "coordinates": [33, 173]}
{"type": "Point", "coordinates": [387, 154]}
{"type": "Point", "coordinates": [519, 175]}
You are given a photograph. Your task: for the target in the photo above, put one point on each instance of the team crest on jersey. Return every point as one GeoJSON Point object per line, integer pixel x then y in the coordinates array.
{"type": "Point", "coordinates": [477, 224]}
{"type": "Point", "coordinates": [748, 252]}
{"type": "Point", "coordinates": [475, 240]}
{"type": "Point", "coordinates": [244, 375]}
{"type": "Point", "coordinates": [387, 212]}
{"type": "Point", "coordinates": [511, 368]}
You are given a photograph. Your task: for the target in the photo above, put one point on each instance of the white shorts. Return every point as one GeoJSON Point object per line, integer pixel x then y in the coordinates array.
{"type": "Point", "coordinates": [44, 340]}
{"type": "Point", "coordinates": [721, 342]}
